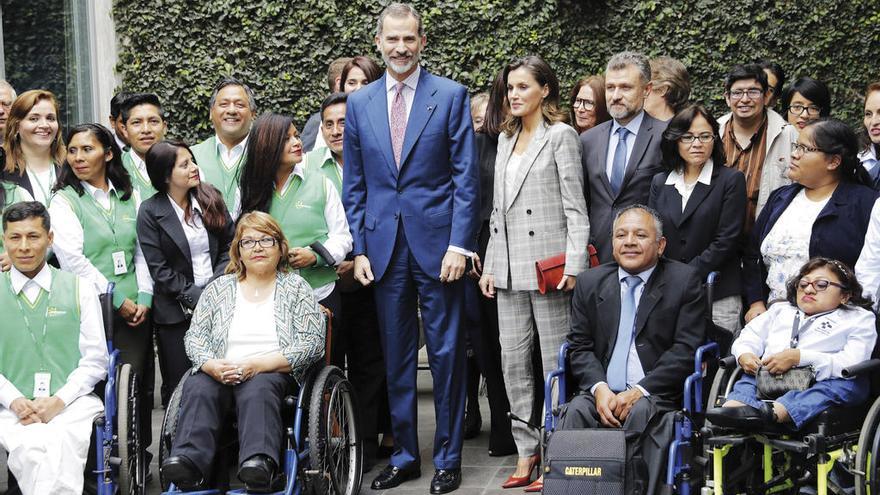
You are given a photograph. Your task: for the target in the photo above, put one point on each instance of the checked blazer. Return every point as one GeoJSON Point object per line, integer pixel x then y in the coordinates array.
{"type": "Point", "coordinates": [547, 213]}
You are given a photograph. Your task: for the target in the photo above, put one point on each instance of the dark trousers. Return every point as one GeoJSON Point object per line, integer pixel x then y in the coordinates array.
{"type": "Point", "coordinates": [333, 302]}
{"type": "Point", "coordinates": [361, 342]}
{"type": "Point", "coordinates": [135, 346]}
{"type": "Point", "coordinates": [649, 431]}
{"type": "Point", "coordinates": [204, 411]}
{"type": "Point", "coordinates": [173, 361]}
{"type": "Point", "coordinates": [402, 289]}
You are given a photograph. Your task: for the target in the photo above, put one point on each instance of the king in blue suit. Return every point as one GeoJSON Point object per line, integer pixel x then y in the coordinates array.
{"type": "Point", "coordinates": [410, 191]}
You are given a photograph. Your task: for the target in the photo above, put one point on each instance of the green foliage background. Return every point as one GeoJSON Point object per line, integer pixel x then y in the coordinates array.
{"type": "Point", "coordinates": [179, 49]}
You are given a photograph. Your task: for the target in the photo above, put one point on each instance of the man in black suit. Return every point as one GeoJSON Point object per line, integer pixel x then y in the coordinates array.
{"type": "Point", "coordinates": [635, 325]}
{"type": "Point", "coordinates": [620, 156]}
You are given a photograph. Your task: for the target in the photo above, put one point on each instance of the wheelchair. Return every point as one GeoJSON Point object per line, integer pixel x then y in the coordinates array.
{"type": "Point", "coordinates": [780, 461]}
{"type": "Point", "coordinates": [684, 469]}
{"type": "Point", "coordinates": [323, 448]}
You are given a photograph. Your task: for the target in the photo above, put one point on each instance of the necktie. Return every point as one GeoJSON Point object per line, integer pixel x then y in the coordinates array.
{"type": "Point", "coordinates": [398, 122]}
{"type": "Point", "coordinates": [874, 173]}
{"type": "Point", "coordinates": [616, 373]}
{"type": "Point", "coordinates": [618, 165]}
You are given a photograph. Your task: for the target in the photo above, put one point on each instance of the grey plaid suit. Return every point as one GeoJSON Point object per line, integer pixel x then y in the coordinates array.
{"type": "Point", "coordinates": [546, 215]}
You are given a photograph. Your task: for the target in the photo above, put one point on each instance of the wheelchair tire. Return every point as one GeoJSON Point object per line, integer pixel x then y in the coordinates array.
{"type": "Point", "coordinates": [169, 428]}
{"type": "Point", "coordinates": [335, 444]}
{"type": "Point", "coordinates": [132, 468]}
{"type": "Point", "coordinates": [721, 385]}
{"type": "Point", "coordinates": [869, 438]}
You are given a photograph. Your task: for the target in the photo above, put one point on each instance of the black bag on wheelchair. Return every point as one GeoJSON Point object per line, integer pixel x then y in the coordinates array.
{"type": "Point", "coordinates": [590, 462]}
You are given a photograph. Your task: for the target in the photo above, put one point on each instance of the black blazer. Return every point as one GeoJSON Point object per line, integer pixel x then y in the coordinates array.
{"type": "Point", "coordinates": [23, 180]}
{"type": "Point", "coordinates": [707, 234]}
{"type": "Point", "coordinates": [670, 325]}
{"type": "Point", "coordinates": [838, 232]}
{"type": "Point", "coordinates": [167, 253]}
{"type": "Point", "coordinates": [644, 163]}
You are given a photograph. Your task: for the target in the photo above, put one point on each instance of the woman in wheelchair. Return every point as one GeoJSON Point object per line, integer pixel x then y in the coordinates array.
{"type": "Point", "coordinates": [254, 332]}
{"type": "Point", "coordinates": [826, 324]}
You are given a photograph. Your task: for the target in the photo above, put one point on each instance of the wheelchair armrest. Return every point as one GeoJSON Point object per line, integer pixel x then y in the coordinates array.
{"type": "Point", "coordinates": [861, 368]}
{"type": "Point", "coordinates": [728, 362]}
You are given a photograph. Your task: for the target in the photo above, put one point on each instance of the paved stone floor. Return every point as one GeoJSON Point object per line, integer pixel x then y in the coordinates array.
{"type": "Point", "coordinates": [481, 474]}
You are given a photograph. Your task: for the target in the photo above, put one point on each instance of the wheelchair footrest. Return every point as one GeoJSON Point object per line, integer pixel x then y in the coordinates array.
{"type": "Point", "coordinates": [798, 446]}
{"type": "Point", "coordinates": [728, 440]}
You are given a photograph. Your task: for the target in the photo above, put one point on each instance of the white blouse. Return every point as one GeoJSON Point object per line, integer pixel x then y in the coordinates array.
{"type": "Point", "coordinates": [510, 173]}
{"type": "Point", "coordinates": [197, 238]}
{"type": "Point", "coordinates": [787, 246]}
{"type": "Point", "coordinates": [252, 331]}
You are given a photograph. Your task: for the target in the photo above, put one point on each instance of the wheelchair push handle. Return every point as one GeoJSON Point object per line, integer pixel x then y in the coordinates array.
{"type": "Point", "coordinates": [106, 300]}
{"type": "Point", "coordinates": [861, 369]}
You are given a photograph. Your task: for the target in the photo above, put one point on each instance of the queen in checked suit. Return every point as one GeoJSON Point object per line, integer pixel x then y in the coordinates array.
{"type": "Point", "coordinates": [538, 212]}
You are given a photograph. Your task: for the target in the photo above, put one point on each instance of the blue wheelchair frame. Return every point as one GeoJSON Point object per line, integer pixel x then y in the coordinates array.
{"type": "Point", "coordinates": [687, 419]}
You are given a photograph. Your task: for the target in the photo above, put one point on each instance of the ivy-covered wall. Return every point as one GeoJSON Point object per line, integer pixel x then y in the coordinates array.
{"type": "Point", "coordinates": [281, 47]}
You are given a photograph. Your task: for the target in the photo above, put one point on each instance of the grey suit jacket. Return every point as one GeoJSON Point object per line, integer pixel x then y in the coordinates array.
{"type": "Point", "coordinates": [546, 215]}
{"type": "Point", "coordinates": [644, 163]}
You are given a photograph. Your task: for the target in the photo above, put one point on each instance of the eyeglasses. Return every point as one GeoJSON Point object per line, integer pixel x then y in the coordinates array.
{"type": "Point", "coordinates": [819, 285]}
{"type": "Point", "coordinates": [265, 243]}
{"type": "Point", "coordinates": [800, 149]}
{"type": "Point", "coordinates": [586, 104]}
{"type": "Point", "coordinates": [690, 138]}
{"type": "Point", "coordinates": [737, 94]}
{"type": "Point", "coordinates": [812, 110]}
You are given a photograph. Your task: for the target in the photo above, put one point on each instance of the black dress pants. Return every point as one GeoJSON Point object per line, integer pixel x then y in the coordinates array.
{"type": "Point", "coordinates": [173, 361]}
{"type": "Point", "coordinates": [204, 412]}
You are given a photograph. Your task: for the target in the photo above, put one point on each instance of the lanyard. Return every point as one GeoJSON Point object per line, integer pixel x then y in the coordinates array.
{"type": "Point", "coordinates": [41, 345]}
{"type": "Point", "coordinates": [43, 189]}
{"type": "Point", "coordinates": [109, 216]}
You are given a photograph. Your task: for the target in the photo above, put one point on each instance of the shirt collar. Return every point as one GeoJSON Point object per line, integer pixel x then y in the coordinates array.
{"type": "Point", "coordinates": [676, 177]}
{"type": "Point", "coordinates": [42, 279]}
{"type": "Point", "coordinates": [867, 154]}
{"type": "Point", "coordinates": [297, 170]}
{"type": "Point", "coordinates": [632, 126]}
{"type": "Point", "coordinates": [644, 275]}
{"type": "Point", "coordinates": [329, 157]}
{"type": "Point", "coordinates": [93, 191]}
{"type": "Point", "coordinates": [411, 81]}
{"type": "Point", "coordinates": [193, 204]}
{"type": "Point", "coordinates": [222, 147]}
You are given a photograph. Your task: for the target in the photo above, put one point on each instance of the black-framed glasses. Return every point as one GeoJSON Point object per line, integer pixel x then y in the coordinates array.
{"type": "Point", "coordinates": [753, 93]}
{"type": "Point", "coordinates": [800, 149]}
{"type": "Point", "coordinates": [265, 243]}
{"type": "Point", "coordinates": [585, 104]}
{"type": "Point", "coordinates": [797, 109]}
{"type": "Point", "coordinates": [819, 285]}
{"type": "Point", "coordinates": [703, 138]}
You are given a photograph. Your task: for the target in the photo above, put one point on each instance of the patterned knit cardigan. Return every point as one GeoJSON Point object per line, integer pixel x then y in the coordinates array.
{"type": "Point", "coordinates": [298, 320]}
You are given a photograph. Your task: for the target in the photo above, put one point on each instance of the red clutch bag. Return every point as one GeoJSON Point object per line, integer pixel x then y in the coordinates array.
{"type": "Point", "coordinates": [550, 270]}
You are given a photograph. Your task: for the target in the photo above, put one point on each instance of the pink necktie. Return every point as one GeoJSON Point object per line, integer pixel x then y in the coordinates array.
{"type": "Point", "coordinates": [398, 122]}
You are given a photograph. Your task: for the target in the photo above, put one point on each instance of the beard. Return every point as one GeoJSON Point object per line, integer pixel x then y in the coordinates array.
{"type": "Point", "coordinates": [401, 69]}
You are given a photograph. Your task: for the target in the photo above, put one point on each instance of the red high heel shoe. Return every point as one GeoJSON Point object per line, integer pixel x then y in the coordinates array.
{"type": "Point", "coordinates": [520, 481]}
{"type": "Point", "coordinates": [536, 486]}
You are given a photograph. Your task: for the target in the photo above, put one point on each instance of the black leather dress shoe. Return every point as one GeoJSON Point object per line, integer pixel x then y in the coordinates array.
{"type": "Point", "coordinates": [182, 472]}
{"type": "Point", "coordinates": [445, 480]}
{"type": "Point", "coordinates": [257, 472]}
{"type": "Point", "coordinates": [473, 423]}
{"type": "Point", "coordinates": [744, 417]}
{"type": "Point", "coordinates": [393, 476]}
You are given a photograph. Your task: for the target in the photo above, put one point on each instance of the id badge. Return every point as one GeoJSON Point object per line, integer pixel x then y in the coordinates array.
{"type": "Point", "coordinates": [42, 381]}
{"type": "Point", "coordinates": [119, 265]}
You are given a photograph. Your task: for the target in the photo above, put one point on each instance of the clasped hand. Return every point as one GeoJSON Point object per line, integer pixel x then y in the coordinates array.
{"type": "Point", "coordinates": [230, 373]}
{"type": "Point", "coordinates": [614, 408]}
{"type": "Point", "coordinates": [39, 410]}
{"type": "Point", "coordinates": [776, 364]}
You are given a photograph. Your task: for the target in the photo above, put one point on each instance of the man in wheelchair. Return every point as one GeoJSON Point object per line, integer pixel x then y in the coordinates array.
{"type": "Point", "coordinates": [52, 356]}
{"type": "Point", "coordinates": [635, 325]}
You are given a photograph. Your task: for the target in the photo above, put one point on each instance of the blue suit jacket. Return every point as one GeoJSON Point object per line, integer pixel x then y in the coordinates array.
{"type": "Point", "coordinates": [436, 192]}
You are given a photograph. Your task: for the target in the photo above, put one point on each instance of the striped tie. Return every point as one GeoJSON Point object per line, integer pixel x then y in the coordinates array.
{"type": "Point", "coordinates": [398, 123]}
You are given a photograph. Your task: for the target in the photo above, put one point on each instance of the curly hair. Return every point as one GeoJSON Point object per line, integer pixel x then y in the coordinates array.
{"type": "Point", "coordinates": [847, 276]}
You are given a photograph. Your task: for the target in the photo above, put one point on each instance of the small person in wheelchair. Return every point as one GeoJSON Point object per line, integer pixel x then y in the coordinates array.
{"type": "Point", "coordinates": [802, 345]}
{"type": "Point", "coordinates": [53, 354]}
{"type": "Point", "coordinates": [254, 332]}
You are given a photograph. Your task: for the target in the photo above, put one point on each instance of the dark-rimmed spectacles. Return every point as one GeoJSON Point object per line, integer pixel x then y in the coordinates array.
{"type": "Point", "coordinates": [738, 94]}
{"type": "Point", "coordinates": [812, 110]}
{"type": "Point", "coordinates": [585, 104]}
{"type": "Point", "coordinates": [819, 285]}
{"type": "Point", "coordinates": [800, 149]}
{"type": "Point", "coordinates": [265, 243]}
{"type": "Point", "coordinates": [690, 138]}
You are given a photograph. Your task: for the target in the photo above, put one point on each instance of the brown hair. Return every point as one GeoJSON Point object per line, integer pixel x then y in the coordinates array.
{"type": "Point", "coordinates": [669, 73]}
{"type": "Point", "coordinates": [545, 76]}
{"type": "Point", "coordinates": [864, 138]}
{"type": "Point", "coordinates": [843, 272]}
{"type": "Point", "coordinates": [265, 224]}
{"type": "Point", "coordinates": [334, 70]}
{"type": "Point", "coordinates": [597, 84]}
{"type": "Point", "coordinates": [368, 66]}
{"type": "Point", "coordinates": [19, 110]}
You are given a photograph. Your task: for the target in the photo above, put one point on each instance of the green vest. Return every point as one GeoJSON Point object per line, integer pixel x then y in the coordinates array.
{"type": "Point", "coordinates": [12, 194]}
{"type": "Point", "coordinates": [140, 183]}
{"type": "Point", "coordinates": [216, 172]}
{"type": "Point", "coordinates": [107, 232]}
{"type": "Point", "coordinates": [300, 212]}
{"type": "Point", "coordinates": [321, 159]}
{"type": "Point", "coordinates": [25, 351]}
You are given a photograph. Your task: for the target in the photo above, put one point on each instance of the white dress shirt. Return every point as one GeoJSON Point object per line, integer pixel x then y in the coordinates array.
{"type": "Point", "coordinates": [633, 127]}
{"type": "Point", "coordinates": [634, 370]}
{"type": "Point", "coordinates": [830, 343]}
{"type": "Point", "coordinates": [68, 245]}
{"type": "Point", "coordinates": [513, 165]}
{"type": "Point", "coordinates": [42, 183]}
{"type": "Point", "coordinates": [339, 240]}
{"type": "Point", "coordinates": [868, 266]}
{"type": "Point", "coordinates": [676, 179]}
{"type": "Point", "coordinates": [230, 156]}
{"type": "Point", "coordinates": [868, 159]}
{"type": "Point", "coordinates": [197, 239]}
{"type": "Point", "coordinates": [92, 366]}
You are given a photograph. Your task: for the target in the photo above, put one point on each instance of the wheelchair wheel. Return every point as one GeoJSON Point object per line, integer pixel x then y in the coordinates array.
{"type": "Point", "coordinates": [132, 470]}
{"type": "Point", "coordinates": [335, 444]}
{"type": "Point", "coordinates": [721, 386]}
{"type": "Point", "coordinates": [867, 453]}
{"type": "Point", "coordinates": [169, 428]}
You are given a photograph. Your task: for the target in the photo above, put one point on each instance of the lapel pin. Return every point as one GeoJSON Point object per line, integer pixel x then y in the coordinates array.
{"type": "Point", "coordinates": [430, 107]}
